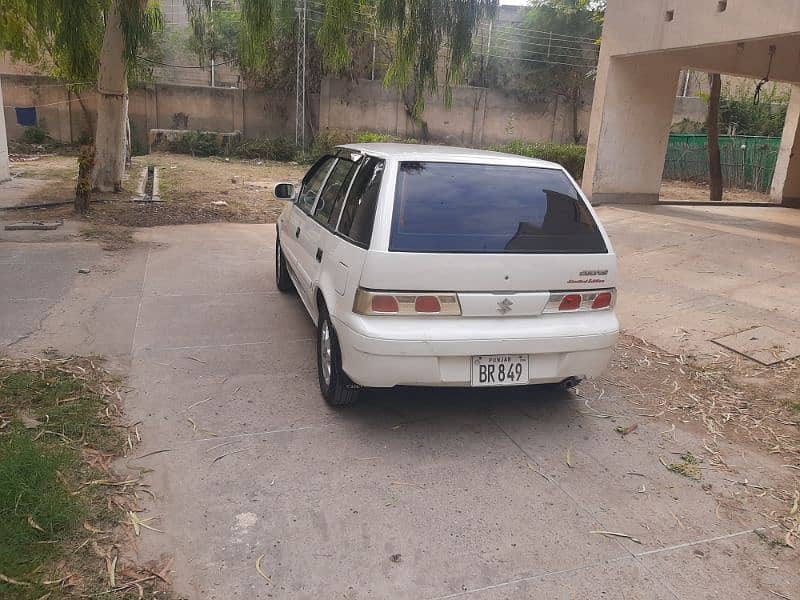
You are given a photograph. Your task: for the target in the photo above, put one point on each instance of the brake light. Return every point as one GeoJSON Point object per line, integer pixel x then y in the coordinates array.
{"type": "Point", "coordinates": [570, 302]}
{"type": "Point", "coordinates": [406, 304]}
{"type": "Point", "coordinates": [602, 300]}
{"type": "Point", "coordinates": [580, 301]}
{"type": "Point", "coordinates": [384, 304]}
{"type": "Point", "coordinates": [427, 304]}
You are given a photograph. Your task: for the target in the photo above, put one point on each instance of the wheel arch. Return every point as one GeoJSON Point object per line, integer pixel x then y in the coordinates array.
{"type": "Point", "coordinates": [321, 303]}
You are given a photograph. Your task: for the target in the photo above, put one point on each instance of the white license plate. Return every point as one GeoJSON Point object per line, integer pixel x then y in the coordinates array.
{"type": "Point", "coordinates": [502, 369]}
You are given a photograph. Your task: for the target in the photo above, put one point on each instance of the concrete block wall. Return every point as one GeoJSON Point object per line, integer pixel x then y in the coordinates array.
{"type": "Point", "coordinates": [477, 116]}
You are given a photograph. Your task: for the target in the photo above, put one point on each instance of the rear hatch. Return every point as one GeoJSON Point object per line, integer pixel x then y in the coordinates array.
{"type": "Point", "coordinates": [490, 232]}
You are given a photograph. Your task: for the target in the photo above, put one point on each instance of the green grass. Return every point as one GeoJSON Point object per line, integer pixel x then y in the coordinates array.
{"type": "Point", "coordinates": [47, 417]}
{"type": "Point", "coordinates": [30, 488]}
{"type": "Point", "coordinates": [63, 404]}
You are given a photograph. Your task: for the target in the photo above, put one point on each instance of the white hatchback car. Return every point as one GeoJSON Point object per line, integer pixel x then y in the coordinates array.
{"type": "Point", "coordinates": [437, 266]}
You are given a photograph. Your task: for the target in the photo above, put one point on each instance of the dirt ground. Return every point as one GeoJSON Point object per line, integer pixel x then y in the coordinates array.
{"type": "Point", "coordinates": [699, 192]}
{"type": "Point", "coordinates": [189, 186]}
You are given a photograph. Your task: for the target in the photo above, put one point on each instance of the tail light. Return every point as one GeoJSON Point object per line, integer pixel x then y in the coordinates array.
{"type": "Point", "coordinates": [406, 304]}
{"type": "Point", "coordinates": [580, 301]}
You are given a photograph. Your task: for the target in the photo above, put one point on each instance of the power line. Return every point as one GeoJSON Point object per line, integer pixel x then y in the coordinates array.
{"type": "Point", "coordinates": [562, 35]}
{"type": "Point", "coordinates": [558, 55]}
{"type": "Point", "coordinates": [546, 49]}
{"type": "Point", "coordinates": [524, 40]}
{"type": "Point", "coordinates": [546, 62]}
{"type": "Point", "coordinates": [504, 47]}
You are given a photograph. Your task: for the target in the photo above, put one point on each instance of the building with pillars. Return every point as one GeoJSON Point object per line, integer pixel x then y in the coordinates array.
{"type": "Point", "coordinates": [646, 45]}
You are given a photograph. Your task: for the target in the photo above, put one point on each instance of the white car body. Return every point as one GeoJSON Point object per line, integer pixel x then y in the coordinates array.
{"type": "Point", "coordinates": [502, 296]}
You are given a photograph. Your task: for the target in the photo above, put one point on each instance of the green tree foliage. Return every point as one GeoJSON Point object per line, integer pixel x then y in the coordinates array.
{"type": "Point", "coordinates": [563, 68]}
{"type": "Point", "coordinates": [60, 36]}
{"type": "Point", "coordinates": [740, 115]}
{"type": "Point", "coordinates": [420, 31]}
{"type": "Point", "coordinates": [64, 37]}
{"type": "Point", "coordinates": [217, 33]}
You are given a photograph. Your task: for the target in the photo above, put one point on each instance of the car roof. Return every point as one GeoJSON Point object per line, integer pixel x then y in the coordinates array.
{"type": "Point", "coordinates": [422, 152]}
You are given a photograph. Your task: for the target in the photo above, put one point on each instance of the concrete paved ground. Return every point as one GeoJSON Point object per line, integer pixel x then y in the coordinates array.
{"type": "Point", "coordinates": [692, 274]}
{"type": "Point", "coordinates": [470, 489]}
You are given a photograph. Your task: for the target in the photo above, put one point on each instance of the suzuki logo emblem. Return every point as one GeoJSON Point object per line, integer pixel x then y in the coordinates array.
{"type": "Point", "coordinates": [504, 306]}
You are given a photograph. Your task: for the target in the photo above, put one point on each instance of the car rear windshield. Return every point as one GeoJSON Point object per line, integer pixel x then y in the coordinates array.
{"type": "Point", "coordinates": [447, 207]}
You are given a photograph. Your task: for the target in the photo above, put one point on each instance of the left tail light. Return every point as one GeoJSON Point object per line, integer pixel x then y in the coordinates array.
{"type": "Point", "coordinates": [369, 302]}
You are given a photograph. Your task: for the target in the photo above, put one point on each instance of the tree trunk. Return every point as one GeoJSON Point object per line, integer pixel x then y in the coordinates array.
{"type": "Point", "coordinates": [112, 108]}
{"type": "Point", "coordinates": [420, 124]}
{"type": "Point", "coordinates": [712, 125]}
{"type": "Point", "coordinates": [86, 115]}
{"type": "Point", "coordinates": [84, 188]}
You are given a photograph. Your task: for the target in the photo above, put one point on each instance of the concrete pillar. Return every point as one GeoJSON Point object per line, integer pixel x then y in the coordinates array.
{"type": "Point", "coordinates": [786, 182]}
{"type": "Point", "coordinates": [5, 171]}
{"type": "Point", "coordinates": [629, 130]}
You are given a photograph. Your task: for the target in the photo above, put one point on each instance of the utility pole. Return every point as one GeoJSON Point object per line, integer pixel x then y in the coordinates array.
{"type": "Point", "coordinates": [5, 171]}
{"type": "Point", "coordinates": [300, 85]}
{"type": "Point", "coordinates": [211, 27]}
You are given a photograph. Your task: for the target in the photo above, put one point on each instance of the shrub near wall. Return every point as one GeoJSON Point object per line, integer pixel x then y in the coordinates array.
{"type": "Point", "coordinates": [278, 148]}
{"type": "Point", "coordinates": [328, 139]}
{"type": "Point", "coordinates": [571, 156]}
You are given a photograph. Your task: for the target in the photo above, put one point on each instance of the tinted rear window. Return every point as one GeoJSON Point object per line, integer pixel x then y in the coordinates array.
{"type": "Point", "coordinates": [446, 207]}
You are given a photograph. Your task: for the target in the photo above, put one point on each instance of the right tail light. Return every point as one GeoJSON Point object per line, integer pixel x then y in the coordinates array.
{"type": "Point", "coordinates": [581, 301]}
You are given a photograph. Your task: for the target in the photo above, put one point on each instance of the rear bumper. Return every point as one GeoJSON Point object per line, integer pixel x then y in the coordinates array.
{"type": "Point", "coordinates": [390, 351]}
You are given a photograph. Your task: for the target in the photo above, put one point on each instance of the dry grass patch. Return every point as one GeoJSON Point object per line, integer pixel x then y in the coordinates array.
{"type": "Point", "coordinates": [730, 399]}
{"type": "Point", "coordinates": [193, 190]}
{"type": "Point", "coordinates": [66, 519]}
{"type": "Point", "coordinates": [690, 191]}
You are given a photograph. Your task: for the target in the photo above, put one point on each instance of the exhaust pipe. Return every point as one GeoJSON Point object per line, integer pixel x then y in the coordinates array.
{"type": "Point", "coordinates": [571, 382]}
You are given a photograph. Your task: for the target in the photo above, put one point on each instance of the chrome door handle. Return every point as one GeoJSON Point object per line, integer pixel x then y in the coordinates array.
{"type": "Point", "coordinates": [297, 233]}
{"type": "Point", "coordinates": [319, 254]}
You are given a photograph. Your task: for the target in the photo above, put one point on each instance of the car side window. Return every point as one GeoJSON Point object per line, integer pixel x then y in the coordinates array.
{"type": "Point", "coordinates": [358, 215]}
{"type": "Point", "coordinates": [336, 186]}
{"type": "Point", "coordinates": [312, 183]}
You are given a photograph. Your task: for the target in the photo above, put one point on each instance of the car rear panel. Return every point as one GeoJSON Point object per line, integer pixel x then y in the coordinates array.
{"type": "Point", "coordinates": [501, 273]}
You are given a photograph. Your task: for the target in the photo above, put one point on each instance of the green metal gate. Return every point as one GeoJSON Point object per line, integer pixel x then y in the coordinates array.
{"type": "Point", "coordinates": [748, 162]}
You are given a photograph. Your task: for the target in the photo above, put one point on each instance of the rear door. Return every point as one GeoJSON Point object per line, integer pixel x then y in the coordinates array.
{"type": "Point", "coordinates": [490, 231]}
{"type": "Point", "coordinates": [317, 236]}
{"type": "Point", "coordinates": [354, 229]}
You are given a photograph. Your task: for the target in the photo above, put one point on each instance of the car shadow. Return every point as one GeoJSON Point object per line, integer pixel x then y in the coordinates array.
{"type": "Point", "coordinates": [405, 405]}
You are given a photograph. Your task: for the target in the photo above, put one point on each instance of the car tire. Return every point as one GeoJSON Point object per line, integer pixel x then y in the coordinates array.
{"type": "Point", "coordinates": [282, 279]}
{"type": "Point", "coordinates": [336, 387]}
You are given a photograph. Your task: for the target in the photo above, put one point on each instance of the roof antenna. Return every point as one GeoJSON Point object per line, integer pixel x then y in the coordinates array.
{"type": "Point", "coordinates": [757, 96]}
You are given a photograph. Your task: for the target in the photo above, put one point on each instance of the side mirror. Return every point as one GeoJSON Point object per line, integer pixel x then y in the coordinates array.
{"type": "Point", "coordinates": [284, 191]}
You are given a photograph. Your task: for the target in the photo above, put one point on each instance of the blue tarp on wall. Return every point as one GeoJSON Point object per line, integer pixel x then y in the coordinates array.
{"type": "Point", "coordinates": [26, 116]}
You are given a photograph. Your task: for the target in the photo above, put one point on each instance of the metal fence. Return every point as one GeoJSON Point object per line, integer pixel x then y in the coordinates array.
{"type": "Point", "coordinates": [748, 162]}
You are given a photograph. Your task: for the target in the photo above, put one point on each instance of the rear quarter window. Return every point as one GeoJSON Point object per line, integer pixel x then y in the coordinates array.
{"type": "Point", "coordinates": [358, 215]}
{"type": "Point", "coordinates": [449, 207]}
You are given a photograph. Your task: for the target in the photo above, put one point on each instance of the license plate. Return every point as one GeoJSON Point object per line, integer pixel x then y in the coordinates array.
{"type": "Point", "coordinates": [503, 369]}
